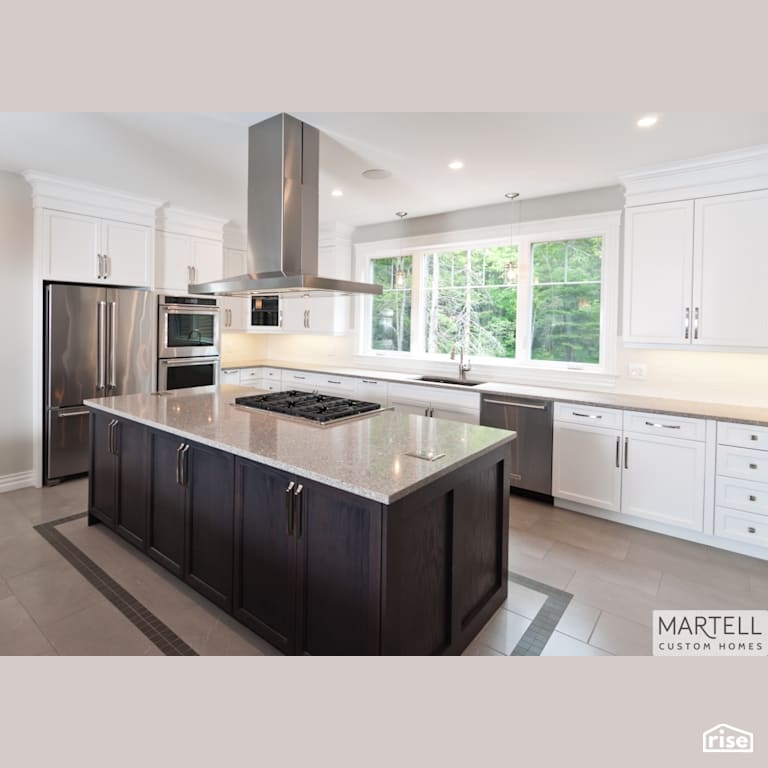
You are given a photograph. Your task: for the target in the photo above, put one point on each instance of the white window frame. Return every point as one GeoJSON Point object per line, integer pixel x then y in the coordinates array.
{"type": "Point", "coordinates": [525, 234]}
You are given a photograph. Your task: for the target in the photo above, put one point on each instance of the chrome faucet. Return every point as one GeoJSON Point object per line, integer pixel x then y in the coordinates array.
{"type": "Point", "coordinates": [463, 367]}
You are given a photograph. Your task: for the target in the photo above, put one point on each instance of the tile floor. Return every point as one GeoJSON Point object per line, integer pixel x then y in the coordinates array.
{"type": "Point", "coordinates": [616, 574]}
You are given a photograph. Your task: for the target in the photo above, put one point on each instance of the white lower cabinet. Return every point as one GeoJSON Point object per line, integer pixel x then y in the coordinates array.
{"type": "Point", "coordinates": [230, 376]}
{"type": "Point", "coordinates": [664, 479]}
{"type": "Point", "coordinates": [373, 391]}
{"type": "Point", "coordinates": [652, 473]}
{"type": "Point", "coordinates": [586, 465]}
{"type": "Point", "coordinates": [741, 485]}
{"type": "Point", "coordinates": [435, 402]}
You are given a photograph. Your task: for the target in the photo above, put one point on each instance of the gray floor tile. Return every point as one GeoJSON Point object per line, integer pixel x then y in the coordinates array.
{"type": "Point", "coordinates": [524, 601]}
{"type": "Point", "coordinates": [564, 645]}
{"type": "Point", "coordinates": [578, 620]}
{"type": "Point", "coordinates": [25, 552]}
{"type": "Point", "coordinates": [676, 592]}
{"type": "Point", "coordinates": [526, 543]}
{"type": "Point", "coordinates": [99, 630]}
{"type": "Point", "coordinates": [503, 631]}
{"type": "Point", "coordinates": [621, 636]}
{"type": "Point", "coordinates": [19, 635]}
{"type": "Point", "coordinates": [476, 648]}
{"type": "Point", "coordinates": [53, 591]}
{"type": "Point", "coordinates": [622, 601]}
{"type": "Point", "coordinates": [540, 569]}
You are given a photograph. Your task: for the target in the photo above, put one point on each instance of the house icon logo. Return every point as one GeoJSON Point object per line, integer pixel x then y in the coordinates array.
{"type": "Point", "coordinates": [726, 738]}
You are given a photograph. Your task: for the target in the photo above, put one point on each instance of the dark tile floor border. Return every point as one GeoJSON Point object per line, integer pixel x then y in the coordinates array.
{"type": "Point", "coordinates": [543, 625]}
{"type": "Point", "coordinates": [138, 614]}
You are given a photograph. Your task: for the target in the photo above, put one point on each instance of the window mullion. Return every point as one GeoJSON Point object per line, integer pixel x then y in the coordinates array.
{"type": "Point", "coordinates": [524, 300]}
{"type": "Point", "coordinates": [417, 302]}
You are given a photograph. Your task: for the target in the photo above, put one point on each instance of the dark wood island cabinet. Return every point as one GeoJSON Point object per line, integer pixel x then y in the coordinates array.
{"type": "Point", "coordinates": [311, 568]}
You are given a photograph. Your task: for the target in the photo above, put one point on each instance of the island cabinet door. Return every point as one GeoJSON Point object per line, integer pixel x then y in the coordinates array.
{"type": "Point", "coordinates": [167, 497]}
{"type": "Point", "coordinates": [339, 567]}
{"type": "Point", "coordinates": [130, 443]}
{"type": "Point", "coordinates": [103, 483]}
{"type": "Point", "coordinates": [208, 476]}
{"type": "Point", "coordinates": [265, 553]}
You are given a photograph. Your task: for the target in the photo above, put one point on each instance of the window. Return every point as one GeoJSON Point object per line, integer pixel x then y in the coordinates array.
{"type": "Point", "coordinates": [537, 300]}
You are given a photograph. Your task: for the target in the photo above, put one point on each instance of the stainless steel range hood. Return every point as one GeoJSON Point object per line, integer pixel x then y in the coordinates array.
{"type": "Point", "coordinates": [283, 196]}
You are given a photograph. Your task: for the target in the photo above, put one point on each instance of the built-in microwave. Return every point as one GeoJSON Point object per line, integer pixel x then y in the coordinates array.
{"type": "Point", "coordinates": [265, 311]}
{"type": "Point", "coordinates": [188, 326]}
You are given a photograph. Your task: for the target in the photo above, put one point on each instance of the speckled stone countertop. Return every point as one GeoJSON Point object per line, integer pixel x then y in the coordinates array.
{"type": "Point", "coordinates": [743, 414]}
{"type": "Point", "coordinates": [366, 456]}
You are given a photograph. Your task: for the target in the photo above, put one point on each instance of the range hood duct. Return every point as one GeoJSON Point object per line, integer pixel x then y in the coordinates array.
{"type": "Point", "coordinates": [283, 198]}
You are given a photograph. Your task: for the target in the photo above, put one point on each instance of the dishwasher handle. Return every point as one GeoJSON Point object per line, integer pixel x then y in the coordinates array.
{"type": "Point", "coordinates": [513, 404]}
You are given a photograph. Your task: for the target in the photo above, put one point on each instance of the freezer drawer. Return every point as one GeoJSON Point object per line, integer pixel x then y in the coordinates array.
{"type": "Point", "coordinates": [68, 442]}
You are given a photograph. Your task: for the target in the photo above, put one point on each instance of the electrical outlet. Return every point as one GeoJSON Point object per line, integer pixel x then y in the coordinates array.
{"type": "Point", "coordinates": [637, 370]}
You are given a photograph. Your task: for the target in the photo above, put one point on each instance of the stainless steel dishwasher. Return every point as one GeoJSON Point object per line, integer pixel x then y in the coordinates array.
{"type": "Point", "coordinates": [531, 418]}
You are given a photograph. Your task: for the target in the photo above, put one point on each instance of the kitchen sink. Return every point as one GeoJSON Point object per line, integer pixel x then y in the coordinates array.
{"type": "Point", "coordinates": [449, 380]}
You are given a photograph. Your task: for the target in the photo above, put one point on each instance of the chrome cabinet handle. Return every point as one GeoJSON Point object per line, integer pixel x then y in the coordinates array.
{"type": "Point", "coordinates": [751, 529]}
{"type": "Point", "coordinates": [695, 322]}
{"type": "Point", "coordinates": [332, 381]}
{"type": "Point", "coordinates": [309, 319]}
{"type": "Point", "coordinates": [301, 378]}
{"type": "Point", "coordinates": [178, 463]}
{"type": "Point", "coordinates": [369, 381]}
{"type": "Point", "coordinates": [588, 415]}
{"type": "Point", "coordinates": [687, 325]}
{"type": "Point", "coordinates": [626, 453]}
{"type": "Point", "coordinates": [107, 266]}
{"type": "Point", "coordinates": [753, 466]}
{"type": "Point", "coordinates": [753, 437]}
{"type": "Point", "coordinates": [102, 345]}
{"type": "Point", "coordinates": [511, 404]}
{"type": "Point", "coordinates": [69, 414]}
{"type": "Point", "coordinates": [752, 498]}
{"type": "Point", "coordinates": [289, 509]}
{"type": "Point", "coordinates": [665, 426]}
{"type": "Point", "coordinates": [618, 442]}
{"type": "Point", "coordinates": [101, 268]}
{"type": "Point", "coordinates": [297, 522]}
{"type": "Point", "coordinates": [185, 465]}
{"type": "Point", "coordinates": [426, 411]}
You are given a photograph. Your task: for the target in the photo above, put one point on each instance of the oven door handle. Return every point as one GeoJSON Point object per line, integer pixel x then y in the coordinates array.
{"type": "Point", "coordinates": [175, 362]}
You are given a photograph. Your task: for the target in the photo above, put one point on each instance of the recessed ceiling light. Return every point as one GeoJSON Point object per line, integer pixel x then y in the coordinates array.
{"type": "Point", "coordinates": [647, 121]}
{"type": "Point", "coordinates": [456, 165]}
{"type": "Point", "coordinates": [337, 193]}
{"type": "Point", "coordinates": [377, 173]}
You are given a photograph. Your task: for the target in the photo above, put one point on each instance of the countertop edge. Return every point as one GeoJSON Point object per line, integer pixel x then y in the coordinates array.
{"type": "Point", "coordinates": [381, 498]}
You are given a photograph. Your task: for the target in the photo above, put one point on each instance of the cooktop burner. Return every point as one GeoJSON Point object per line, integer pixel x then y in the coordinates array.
{"type": "Point", "coordinates": [308, 405]}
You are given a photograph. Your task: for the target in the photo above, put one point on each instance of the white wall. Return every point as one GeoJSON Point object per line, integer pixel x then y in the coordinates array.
{"type": "Point", "coordinates": [15, 318]}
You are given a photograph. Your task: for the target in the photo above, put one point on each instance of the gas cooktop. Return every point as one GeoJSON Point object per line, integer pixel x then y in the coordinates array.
{"type": "Point", "coordinates": [308, 405]}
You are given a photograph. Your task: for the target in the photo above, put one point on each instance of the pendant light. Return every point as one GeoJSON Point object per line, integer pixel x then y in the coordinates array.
{"type": "Point", "coordinates": [510, 271]}
{"type": "Point", "coordinates": [400, 274]}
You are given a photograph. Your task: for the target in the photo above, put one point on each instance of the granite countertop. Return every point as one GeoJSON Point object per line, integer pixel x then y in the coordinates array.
{"type": "Point", "coordinates": [744, 414]}
{"type": "Point", "coordinates": [366, 456]}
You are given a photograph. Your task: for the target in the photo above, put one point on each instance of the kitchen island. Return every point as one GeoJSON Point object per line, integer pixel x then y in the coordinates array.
{"type": "Point", "coordinates": [386, 534]}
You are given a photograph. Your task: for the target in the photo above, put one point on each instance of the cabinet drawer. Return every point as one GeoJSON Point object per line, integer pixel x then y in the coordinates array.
{"type": "Point", "coordinates": [250, 376]}
{"type": "Point", "coordinates": [272, 373]}
{"type": "Point", "coordinates": [668, 426]}
{"type": "Point", "coordinates": [343, 386]}
{"type": "Point", "coordinates": [300, 380]}
{"type": "Point", "coordinates": [608, 418]}
{"type": "Point", "coordinates": [741, 526]}
{"type": "Point", "coordinates": [741, 494]}
{"type": "Point", "coordinates": [742, 463]}
{"type": "Point", "coordinates": [742, 435]}
{"type": "Point", "coordinates": [416, 393]}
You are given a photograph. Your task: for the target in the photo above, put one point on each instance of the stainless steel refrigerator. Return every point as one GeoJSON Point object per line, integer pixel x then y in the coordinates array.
{"type": "Point", "coordinates": [98, 341]}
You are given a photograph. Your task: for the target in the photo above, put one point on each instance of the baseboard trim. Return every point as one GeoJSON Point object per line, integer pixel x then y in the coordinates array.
{"type": "Point", "coordinates": [15, 481]}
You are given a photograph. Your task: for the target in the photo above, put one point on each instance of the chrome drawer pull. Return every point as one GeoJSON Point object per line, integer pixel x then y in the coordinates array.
{"type": "Point", "coordinates": [753, 437]}
{"type": "Point", "coordinates": [753, 466]}
{"type": "Point", "coordinates": [751, 529]}
{"type": "Point", "coordinates": [588, 415]}
{"type": "Point", "coordinates": [752, 498]}
{"type": "Point", "coordinates": [665, 426]}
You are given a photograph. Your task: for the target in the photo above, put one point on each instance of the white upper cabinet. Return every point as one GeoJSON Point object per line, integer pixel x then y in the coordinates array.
{"type": "Point", "coordinates": [127, 249]}
{"type": "Point", "coordinates": [658, 264]}
{"type": "Point", "coordinates": [71, 246]}
{"type": "Point", "coordinates": [694, 252]}
{"type": "Point", "coordinates": [87, 249]}
{"type": "Point", "coordinates": [189, 249]}
{"type": "Point", "coordinates": [731, 270]}
{"type": "Point", "coordinates": [89, 234]}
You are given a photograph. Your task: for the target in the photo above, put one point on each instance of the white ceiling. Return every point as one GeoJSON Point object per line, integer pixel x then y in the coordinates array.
{"type": "Point", "coordinates": [198, 160]}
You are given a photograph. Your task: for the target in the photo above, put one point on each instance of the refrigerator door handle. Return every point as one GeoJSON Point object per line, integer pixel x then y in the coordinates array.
{"type": "Point", "coordinates": [112, 325]}
{"type": "Point", "coordinates": [102, 343]}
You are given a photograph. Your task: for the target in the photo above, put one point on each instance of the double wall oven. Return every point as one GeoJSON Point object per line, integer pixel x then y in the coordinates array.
{"type": "Point", "coordinates": [188, 342]}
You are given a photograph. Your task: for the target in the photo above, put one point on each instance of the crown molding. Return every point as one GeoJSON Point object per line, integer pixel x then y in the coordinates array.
{"type": "Point", "coordinates": [739, 170]}
{"type": "Point", "coordinates": [59, 193]}
{"type": "Point", "coordinates": [182, 221]}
